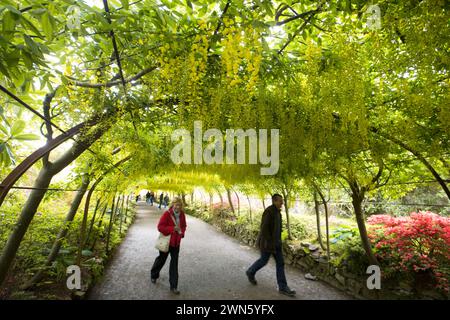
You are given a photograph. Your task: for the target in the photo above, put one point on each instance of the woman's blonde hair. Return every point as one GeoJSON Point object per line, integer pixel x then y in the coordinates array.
{"type": "Point", "coordinates": [177, 200]}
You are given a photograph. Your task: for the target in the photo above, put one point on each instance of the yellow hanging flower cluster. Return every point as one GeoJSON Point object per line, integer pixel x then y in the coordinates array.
{"type": "Point", "coordinates": [194, 68]}
{"type": "Point", "coordinates": [182, 69]}
{"type": "Point", "coordinates": [168, 66]}
{"type": "Point", "coordinates": [197, 60]}
{"type": "Point", "coordinates": [253, 60]}
{"type": "Point", "coordinates": [242, 55]}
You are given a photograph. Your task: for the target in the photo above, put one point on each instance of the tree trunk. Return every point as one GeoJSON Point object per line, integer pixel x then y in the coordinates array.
{"type": "Point", "coordinates": [116, 215]}
{"type": "Point", "coordinates": [221, 199]}
{"type": "Point", "coordinates": [357, 200]}
{"type": "Point", "coordinates": [62, 233]}
{"type": "Point", "coordinates": [126, 209]}
{"type": "Point", "coordinates": [324, 201]}
{"type": "Point", "coordinates": [91, 225]}
{"type": "Point", "coordinates": [238, 202]}
{"type": "Point", "coordinates": [83, 240]}
{"type": "Point", "coordinates": [27, 214]}
{"type": "Point", "coordinates": [111, 220]}
{"type": "Point", "coordinates": [99, 225]}
{"type": "Point", "coordinates": [286, 207]}
{"type": "Point", "coordinates": [121, 215]}
{"type": "Point", "coordinates": [210, 202]}
{"type": "Point", "coordinates": [230, 200]}
{"type": "Point", "coordinates": [220, 196]}
{"type": "Point", "coordinates": [250, 207]}
{"type": "Point", "coordinates": [319, 233]}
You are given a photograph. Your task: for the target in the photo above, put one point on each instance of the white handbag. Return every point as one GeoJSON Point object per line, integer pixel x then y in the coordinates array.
{"type": "Point", "coordinates": [163, 242]}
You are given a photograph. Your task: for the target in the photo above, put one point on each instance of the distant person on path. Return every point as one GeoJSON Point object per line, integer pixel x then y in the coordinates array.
{"type": "Point", "coordinates": [166, 201]}
{"type": "Point", "coordinates": [167, 226]}
{"type": "Point", "coordinates": [269, 242]}
{"type": "Point", "coordinates": [152, 197]}
{"type": "Point", "coordinates": [147, 197]}
{"type": "Point", "coordinates": [161, 199]}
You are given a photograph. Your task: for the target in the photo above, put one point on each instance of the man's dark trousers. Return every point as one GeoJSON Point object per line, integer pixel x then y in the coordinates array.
{"type": "Point", "coordinates": [261, 262]}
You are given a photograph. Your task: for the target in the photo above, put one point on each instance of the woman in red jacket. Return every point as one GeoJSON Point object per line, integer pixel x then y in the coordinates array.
{"type": "Point", "coordinates": [167, 226]}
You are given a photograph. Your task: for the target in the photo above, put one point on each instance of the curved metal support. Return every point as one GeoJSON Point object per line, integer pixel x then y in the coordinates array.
{"type": "Point", "coordinates": [18, 171]}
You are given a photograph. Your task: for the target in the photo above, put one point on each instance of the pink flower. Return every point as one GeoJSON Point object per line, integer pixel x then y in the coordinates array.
{"type": "Point", "coordinates": [420, 241]}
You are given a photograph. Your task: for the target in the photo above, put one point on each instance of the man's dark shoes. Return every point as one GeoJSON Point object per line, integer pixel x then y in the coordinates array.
{"type": "Point", "coordinates": [251, 277]}
{"type": "Point", "coordinates": [153, 280]}
{"type": "Point", "coordinates": [287, 291]}
{"type": "Point", "coordinates": [175, 291]}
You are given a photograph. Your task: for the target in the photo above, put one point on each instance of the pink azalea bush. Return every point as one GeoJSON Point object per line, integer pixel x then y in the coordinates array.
{"type": "Point", "coordinates": [419, 243]}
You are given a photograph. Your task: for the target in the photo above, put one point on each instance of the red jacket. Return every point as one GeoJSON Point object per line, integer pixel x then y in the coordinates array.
{"type": "Point", "coordinates": [166, 226]}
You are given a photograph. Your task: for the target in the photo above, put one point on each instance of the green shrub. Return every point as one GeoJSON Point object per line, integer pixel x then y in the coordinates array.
{"type": "Point", "coordinates": [41, 234]}
{"type": "Point", "coordinates": [299, 230]}
{"type": "Point", "coordinates": [346, 244]}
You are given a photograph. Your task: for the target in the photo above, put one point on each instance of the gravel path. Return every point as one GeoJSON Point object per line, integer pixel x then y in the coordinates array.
{"type": "Point", "coordinates": [211, 266]}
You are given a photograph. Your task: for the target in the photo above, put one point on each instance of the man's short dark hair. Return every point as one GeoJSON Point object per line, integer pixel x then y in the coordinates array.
{"type": "Point", "coordinates": [275, 196]}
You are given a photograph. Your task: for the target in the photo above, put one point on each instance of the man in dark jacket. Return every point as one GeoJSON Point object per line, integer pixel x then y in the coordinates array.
{"type": "Point", "coordinates": [269, 242]}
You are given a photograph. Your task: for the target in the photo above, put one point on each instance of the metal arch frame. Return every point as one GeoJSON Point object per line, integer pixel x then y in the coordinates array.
{"type": "Point", "coordinates": [18, 171]}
